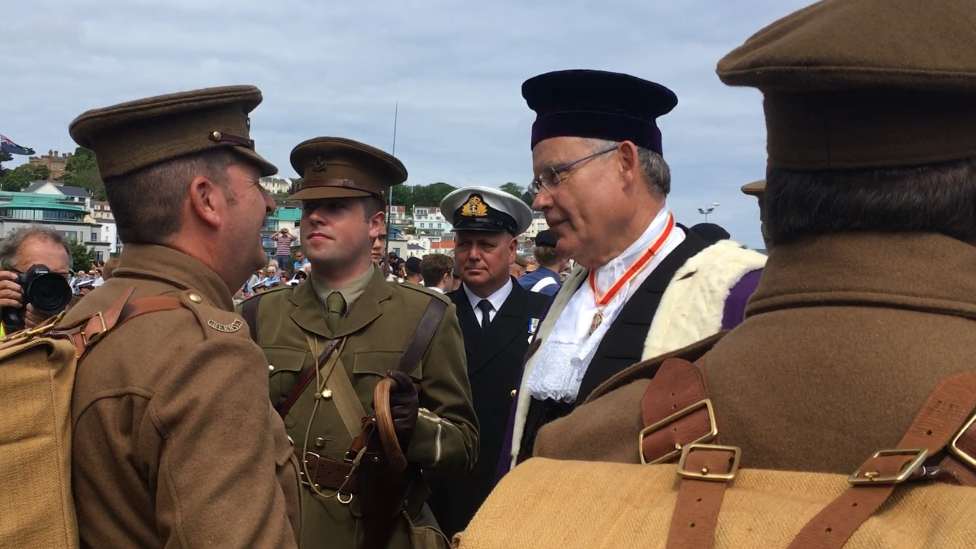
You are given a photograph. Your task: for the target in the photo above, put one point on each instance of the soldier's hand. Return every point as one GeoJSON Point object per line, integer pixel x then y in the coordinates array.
{"type": "Point", "coordinates": [11, 294]}
{"type": "Point", "coordinates": [404, 407]}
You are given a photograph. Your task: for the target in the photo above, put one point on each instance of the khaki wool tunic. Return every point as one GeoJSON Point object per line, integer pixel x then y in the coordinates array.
{"type": "Point", "coordinates": [175, 444]}
{"type": "Point", "coordinates": [377, 328]}
{"type": "Point", "coordinates": [844, 340]}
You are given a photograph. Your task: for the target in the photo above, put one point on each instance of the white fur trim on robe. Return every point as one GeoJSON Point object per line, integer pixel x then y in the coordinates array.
{"type": "Point", "coordinates": [694, 308]}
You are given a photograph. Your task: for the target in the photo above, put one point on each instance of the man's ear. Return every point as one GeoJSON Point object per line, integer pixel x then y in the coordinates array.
{"type": "Point", "coordinates": [512, 247]}
{"type": "Point", "coordinates": [207, 201]}
{"type": "Point", "coordinates": [629, 162]}
{"type": "Point", "coordinates": [377, 225]}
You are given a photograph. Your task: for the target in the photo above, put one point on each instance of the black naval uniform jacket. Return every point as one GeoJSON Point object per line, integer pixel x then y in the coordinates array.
{"type": "Point", "coordinates": [494, 370]}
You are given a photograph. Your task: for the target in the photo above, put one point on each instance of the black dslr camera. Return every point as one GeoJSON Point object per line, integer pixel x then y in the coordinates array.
{"type": "Point", "coordinates": [47, 291]}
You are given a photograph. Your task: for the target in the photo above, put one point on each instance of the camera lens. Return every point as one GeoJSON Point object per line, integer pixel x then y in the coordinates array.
{"type": "Point", "coordinates": [49, 293]}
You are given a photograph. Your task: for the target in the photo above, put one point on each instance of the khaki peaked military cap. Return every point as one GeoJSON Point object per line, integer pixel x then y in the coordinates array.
{"type": "Point", "coordinates": [138, 134]}
{"type": "Point", "coordinates": [853, 84]}
{"type": "Point", "coordinates": [333, 167]}
{"type": "Point", "coordinates": [756, 188]}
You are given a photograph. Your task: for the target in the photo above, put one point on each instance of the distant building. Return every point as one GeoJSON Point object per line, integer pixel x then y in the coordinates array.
{"type": "Point", "coordinates": [55, 163]}
{"type": "Point", "coordinates": [72, 196]}
{"type": "Point", "coordinates": [21, 210]}
{"type": "Point", "coordinates": [428, 220]}
{"type": "Point", "coordinates": [538, 225]}
{"type": "Point", "coordinates": [276, 184]}
{"type": "Point", "coordinates": [101, 210]}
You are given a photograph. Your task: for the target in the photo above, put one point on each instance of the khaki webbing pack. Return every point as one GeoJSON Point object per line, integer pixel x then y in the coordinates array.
{"type": "Point", "coordinates": [917, 495]}
{"type": "Point", "coordinates": [37, 373]}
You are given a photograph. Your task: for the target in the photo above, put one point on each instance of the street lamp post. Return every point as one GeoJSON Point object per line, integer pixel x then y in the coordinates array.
{"type": "Point", "coordinates": [707, 210]}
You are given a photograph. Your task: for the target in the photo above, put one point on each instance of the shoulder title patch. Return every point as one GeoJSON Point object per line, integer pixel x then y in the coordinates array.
{"type": "Point", "coordinates": [226, 328]}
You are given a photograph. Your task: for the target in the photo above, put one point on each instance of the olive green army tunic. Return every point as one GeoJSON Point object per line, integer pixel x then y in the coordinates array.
{"type": "Point", "coordinates": [378, 326]}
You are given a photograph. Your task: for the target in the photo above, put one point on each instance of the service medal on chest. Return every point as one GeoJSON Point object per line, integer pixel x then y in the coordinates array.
{"type": "Point", "coordinates": [597, 320]}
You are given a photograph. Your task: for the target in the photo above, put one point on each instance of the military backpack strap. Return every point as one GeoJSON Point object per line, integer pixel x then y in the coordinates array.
{"type": "Point", "coordinates": [944, 420]}
{"type": "Point", "coordinates": [249, 311]}
{"type": "Point", "coordinates": [96, 327]}
{"type": "Point", "coordinates": [679, 420]}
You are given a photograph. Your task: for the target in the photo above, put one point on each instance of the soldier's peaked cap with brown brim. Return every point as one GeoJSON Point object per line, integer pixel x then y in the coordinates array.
{"type": "Point", "coordinates": [851, 84]}
{"type": "Point", "coordinates": [131, 136]}
{"type": "Point", "coordinates": [334, 167]}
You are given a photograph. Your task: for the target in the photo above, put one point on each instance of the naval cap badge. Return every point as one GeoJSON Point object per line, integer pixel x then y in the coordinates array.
{"type": "Point", "coordinates": [474, 207]}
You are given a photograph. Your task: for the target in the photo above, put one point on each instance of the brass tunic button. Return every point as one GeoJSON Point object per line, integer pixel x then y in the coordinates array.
{"type": "Point", "coordinates": [270, 367]}
{"type": "Point", "coordinates": [195, 298]}
{"type": "Point", "coordinates": [320, 442]}
{"type": "Point", "coordinates": [513, 393]}
{"type": "Point", "coordinates": [290, 441]}
{"type": "Point", "coordinates": [326, 394]}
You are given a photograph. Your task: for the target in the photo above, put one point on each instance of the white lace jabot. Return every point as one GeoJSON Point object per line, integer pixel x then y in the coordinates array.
{"type": "Point", "coordinates": [565, 355]}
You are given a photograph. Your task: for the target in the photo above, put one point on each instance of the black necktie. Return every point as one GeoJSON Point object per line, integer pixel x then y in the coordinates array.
{"type": "Point", "coordinates": [485, 307]}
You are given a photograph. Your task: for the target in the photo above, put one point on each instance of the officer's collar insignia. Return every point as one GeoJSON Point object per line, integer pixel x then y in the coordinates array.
{"type": "Point", "coordinates": [320, 165]}
{"type": "Point", "coordinates": [474, 207]}
{"type": "Point", "coordinates": [226, 328]}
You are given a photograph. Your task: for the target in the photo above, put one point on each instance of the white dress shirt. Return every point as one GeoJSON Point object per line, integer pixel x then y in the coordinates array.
{"type": "Point", "coordinates": [496, 299]}
{"type": "Point", "coordinates": [436, 289]}
{"type": "Point", "coordinates": [566, 354]}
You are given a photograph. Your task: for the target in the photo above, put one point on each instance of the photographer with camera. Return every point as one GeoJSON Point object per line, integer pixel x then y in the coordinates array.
{"type": "Point", "coordinates": [34, 270]}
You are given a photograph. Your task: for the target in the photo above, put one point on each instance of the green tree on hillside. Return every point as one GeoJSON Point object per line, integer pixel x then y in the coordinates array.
{"type": "Point", "coordinates": [4, 157]}
{"type": "Point", "coordinates": [81, 171]}
{"type": "Point", "coordinates": [81, 256]}
{"type": "Point", "coordinates": [513, 189]}
{"type": "Point", "coordinates": [20, 177]}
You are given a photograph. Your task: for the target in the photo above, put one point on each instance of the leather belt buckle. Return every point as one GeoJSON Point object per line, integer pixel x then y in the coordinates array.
{"type": "Point", "coordinates": [955, 450]}
{"type": "Point", "coordinates": [705, 474]}
{"type": "Point", "coordinates": [906, 472]}
{"type": "Point", "coordinates": [711, 435]}
{"type": "Point", "coordinates": [313, 472]}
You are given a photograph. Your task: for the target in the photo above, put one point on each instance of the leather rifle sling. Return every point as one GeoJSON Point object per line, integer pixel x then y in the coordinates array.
{"type": "Point", "coordinates": [344, 395]}
{"type": "Point", "coordinates": [306, 379]}
{"type": "Point", "coordinates": [678, 419]}
{"type": "Point", "coordinates": [423, 335]}
{"type": "Point", "coordinates": [944, 414]}
{"type": "Point", "coordinates": [249, 311]}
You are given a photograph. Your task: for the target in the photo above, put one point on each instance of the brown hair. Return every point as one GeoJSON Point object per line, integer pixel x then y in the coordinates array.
{"type": "Point", "coordinates": [433, 267]}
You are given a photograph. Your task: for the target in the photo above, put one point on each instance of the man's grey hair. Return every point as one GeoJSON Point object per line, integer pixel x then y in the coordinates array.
{"type": "Point", "coordinates": [655, 169]}
{"type": "Point", "coordinates": [10, 245]}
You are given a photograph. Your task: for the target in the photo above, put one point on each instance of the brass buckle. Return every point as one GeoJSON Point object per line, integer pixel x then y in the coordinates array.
{"type": "Point", "coordinates": [958, 452]}
{"type": "Point", "coordinates": [86, 339]}
{"type": "Point", "coordinates": [906, 472]}
{"type": "Point", "coordinates": [708, 437]}
{"type": "Point", "coordinates": [705, 474]}
{"type": "Point", "coordinates": [311, 472]}
{"type": "Point", "coordinates": [43, 329]}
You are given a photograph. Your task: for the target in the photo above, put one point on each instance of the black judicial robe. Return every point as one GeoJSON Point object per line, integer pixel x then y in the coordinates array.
{"type": "Point", "coordinates": [623, 343]}
{"type": "Point", "coordinates": [494, 369]}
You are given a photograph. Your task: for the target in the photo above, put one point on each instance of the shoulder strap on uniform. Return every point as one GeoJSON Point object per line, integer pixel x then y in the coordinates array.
{"type": "Point", "coordinates": [249, 310]}
{"type": "Point", "coordinates": [97, 326]}
{"type": "Point", "coordinates": [423, 334]}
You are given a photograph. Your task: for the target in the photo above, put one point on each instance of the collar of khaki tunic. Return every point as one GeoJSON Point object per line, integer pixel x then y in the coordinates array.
{"type": "Point", "coordinates": [921, 271]}
{"type": "Point", "coordinates": [174, 268]}
{"type": "Point", "coordinates": [350, 293]}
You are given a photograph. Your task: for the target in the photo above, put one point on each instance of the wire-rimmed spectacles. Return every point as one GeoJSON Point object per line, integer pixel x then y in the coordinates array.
{"type": "Point", "coordinates": [549, 177]}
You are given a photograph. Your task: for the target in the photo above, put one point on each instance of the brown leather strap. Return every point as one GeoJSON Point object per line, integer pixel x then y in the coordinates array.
{"type": "Point", "coordinates": [676, 412]}
{"type": "Point", "coordinates": [696, 510]}
{"type": "Point", "coordinates": [423, 335]}
{"type": "Point", "coordinates": [306, 379]}
{"type": "Point", "coordinates": [943, 415]}
{"type": "Point", "coordinates": [249, 312]}
{"type": "Point", "coordinates": [121, 311]}
{"type": "Point", "coordinates": [679, 420]}
{"type": "Point", "coordinates": [328, 472]}
{"type": "Point", "coordinates": [385, 427]}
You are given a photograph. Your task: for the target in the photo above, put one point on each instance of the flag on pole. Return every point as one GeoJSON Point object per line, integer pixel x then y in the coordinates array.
{"type": "Point", "coordinates": [8, 146]}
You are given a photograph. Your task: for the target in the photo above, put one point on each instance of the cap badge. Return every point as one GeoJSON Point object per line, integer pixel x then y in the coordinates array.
{"type": "Point", "coordinates": [320, 165]}
{"type": "Point", "coordinates": [474, 207]}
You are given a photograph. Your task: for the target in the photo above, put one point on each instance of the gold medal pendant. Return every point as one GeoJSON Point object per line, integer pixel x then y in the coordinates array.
{"type": "Point", "coordinates": [597, 320]}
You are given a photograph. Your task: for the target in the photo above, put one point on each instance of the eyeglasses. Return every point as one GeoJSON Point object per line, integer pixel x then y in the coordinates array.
{"type": "Point", "coordinates": [549, 177]}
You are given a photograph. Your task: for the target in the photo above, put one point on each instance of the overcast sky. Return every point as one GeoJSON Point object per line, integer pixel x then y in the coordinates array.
{"type": "Point", "coordinates": [455, 67]}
